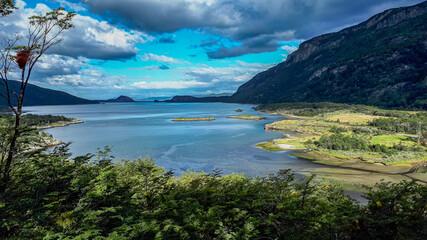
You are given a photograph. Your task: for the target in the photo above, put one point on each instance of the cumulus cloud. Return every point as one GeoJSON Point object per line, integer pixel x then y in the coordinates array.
{"type": "Point", "coordinates": [99, 40]}
{"type": "Point", "coordinates": [64, 72]}
{"type": "Point", "coordinates": [257, 25]}
{"type": "Point", "coordinates": [55, 70]}
{"type": "Point", "coordinates": [53, 64]}
{"type": "Point", "coordinates": [90, 38]}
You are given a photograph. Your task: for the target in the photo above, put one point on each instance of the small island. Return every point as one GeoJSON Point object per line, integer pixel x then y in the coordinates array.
{"type": "Point", "coordinates": [247, 117]}
{"type": "Point", "coordinates": [238, 110]}
{"type": "Point", "coordinates": [120, 99]}
{"type": "Point", "coordinates": [187, 119]}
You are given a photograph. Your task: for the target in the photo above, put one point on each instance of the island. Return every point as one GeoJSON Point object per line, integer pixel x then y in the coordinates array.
{"type": "Point", "coordinates": [247, 117]}
{"type": "Point", "coordinates": [188, 119]}
{"type": "Point", "coordinates": [121, 99]}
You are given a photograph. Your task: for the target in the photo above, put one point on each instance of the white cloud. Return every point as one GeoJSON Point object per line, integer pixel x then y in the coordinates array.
{"type": "Point", "coordinates": [236, 74]}
{"type": "Point", "coordinates": [170, 85]}
{"type": "Point", "coordinates": [289, 49]}
{"type": "Point", "coordinates": [258, 25]}
{"type": "Point", "coordinates": [89, 38]}
{"type": "Point", "coordinates": [159, 58]}
{"type": "Point", "coordinates": [78, 7]}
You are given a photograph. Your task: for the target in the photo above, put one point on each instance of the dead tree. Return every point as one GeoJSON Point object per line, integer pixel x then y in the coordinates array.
{"type": "Point", "coordinates": [43, 33]}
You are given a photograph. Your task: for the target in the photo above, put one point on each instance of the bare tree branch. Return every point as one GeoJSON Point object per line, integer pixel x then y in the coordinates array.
{"type": "Point", "coordinates": [43, 32]}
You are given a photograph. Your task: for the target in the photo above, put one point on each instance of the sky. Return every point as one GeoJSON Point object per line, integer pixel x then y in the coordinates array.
{"type": "Point", "coordinates": [160, 48]}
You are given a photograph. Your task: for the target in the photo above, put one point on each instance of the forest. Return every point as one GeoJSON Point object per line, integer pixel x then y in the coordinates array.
{"type": "Point", "coordinates": [55, 196]}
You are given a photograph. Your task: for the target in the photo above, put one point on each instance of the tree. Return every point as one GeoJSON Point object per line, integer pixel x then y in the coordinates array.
{"type": "Point", "coordinates": [43, 33]}
{"type": "Point", "coordinates": [6, 7]}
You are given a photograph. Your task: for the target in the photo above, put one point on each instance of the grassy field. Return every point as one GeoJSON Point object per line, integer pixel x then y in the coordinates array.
{"type": "Point", "coordinates": [384, 154]}
{"type": "Point", "coordinates": [269, 146]}
{"type": "Point", "coordinates": [247, 117]}
{"type": "Point", "coordinates": [392, 139]}
{"type": "Point", "coordinates": [352, 118]}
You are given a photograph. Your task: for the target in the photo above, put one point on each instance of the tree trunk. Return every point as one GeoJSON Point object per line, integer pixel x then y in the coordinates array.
{"type": "Point", "coordinates": [11, 152]}
{"type": "Point", "coordinates": [16, 132]}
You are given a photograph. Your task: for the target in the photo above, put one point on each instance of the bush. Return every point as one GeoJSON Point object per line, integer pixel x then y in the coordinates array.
{"type": "Point", "coordinates": [336, 129]}
{"type": "Point", "coordinates": [53, 196]}
{"type": "Point", "coordinates": [414, 124]}
{"type": "Point", "coordinates": [342, 142]}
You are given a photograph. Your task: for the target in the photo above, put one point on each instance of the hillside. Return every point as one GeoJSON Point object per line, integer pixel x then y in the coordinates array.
{"type": "Point", "coordinates": [42, 96]}
{"type": "Point", "coordinates": [382, 62]}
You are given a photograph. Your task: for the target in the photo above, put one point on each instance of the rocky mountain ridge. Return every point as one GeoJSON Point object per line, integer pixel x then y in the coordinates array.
{"type": "Point", "coordinates": [380, 62]}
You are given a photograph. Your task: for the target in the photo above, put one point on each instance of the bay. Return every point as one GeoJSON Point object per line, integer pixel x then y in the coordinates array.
{"type": "Point", "coordinates": [145, 129]}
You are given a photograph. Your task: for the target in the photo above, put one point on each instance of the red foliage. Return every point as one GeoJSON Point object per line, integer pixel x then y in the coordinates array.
{"type": "Point", "coordinates": [22, 58]}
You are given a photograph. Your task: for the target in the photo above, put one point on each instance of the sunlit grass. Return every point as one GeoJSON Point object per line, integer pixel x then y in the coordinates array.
{"type": "Point", "coordinates": [247, 117]}
{"type": "Point", "coordinates": [352, 118]}
{"type": "Point", "coordinates": [183, 119]}
{"type": "Point", "coordinates": [392, 139]}
{"type": "Point", "coordinates": [269, 146]}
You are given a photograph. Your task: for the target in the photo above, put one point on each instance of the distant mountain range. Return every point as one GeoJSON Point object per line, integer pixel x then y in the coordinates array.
{"type": "Point", "coordinates": [381, 62]}
{"type": "Point", "coordinates": [37, 96]}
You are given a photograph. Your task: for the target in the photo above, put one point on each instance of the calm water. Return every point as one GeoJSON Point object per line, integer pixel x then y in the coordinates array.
{"type": "Point", "coordinates": [145, 129]}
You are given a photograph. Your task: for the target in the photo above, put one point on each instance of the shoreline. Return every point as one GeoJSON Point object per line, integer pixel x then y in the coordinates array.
{"type": "Point", "coordinates": [51, 141]}
{"type": "Point", "coordinates": [60, 124]}
{"type": "Point", "coordinates": [350, 172]}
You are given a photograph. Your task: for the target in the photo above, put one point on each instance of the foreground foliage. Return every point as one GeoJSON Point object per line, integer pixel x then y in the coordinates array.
{"type": "Point", "coordinates": [53, 196]}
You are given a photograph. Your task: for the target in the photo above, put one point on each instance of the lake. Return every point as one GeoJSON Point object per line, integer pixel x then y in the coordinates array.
{"type": "Point", "coordinates": [144, 129]}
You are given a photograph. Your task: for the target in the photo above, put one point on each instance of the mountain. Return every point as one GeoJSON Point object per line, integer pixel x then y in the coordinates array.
{"type": "Point", "coordinates": [380, 62]}
{"type": "Point", "coordinates": [121, 99]}
{"type": "Point", "coordinates": [35, 95]}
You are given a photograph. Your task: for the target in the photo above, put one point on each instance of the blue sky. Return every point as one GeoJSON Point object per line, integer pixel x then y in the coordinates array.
{"type": "Point", "coordinates": [148, 48]}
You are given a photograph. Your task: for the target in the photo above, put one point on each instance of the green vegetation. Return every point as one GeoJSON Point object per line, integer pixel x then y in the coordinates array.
{"type": "Point", "coordinates": [311, 109]}
{"type": "Point", "coordinates": [269, 146]}
{"type": "Point", "coordinates": [346, 142]}
{"type": "Point", "coordinates": [247, 117]}
{"type": "Point", "coordinates": [413, 124]}
{"type": "Point", "coordinates": [53, 196]}
{"type": "Point", "coordinates": [368, 135]}
{"type": "Point", "coordinates": [46, 121]}
{"type": "Point", "coordinates": [32, 139]}
{"type": "Point", "coordinates": [6, 7]}
{"type": "Point", "coordinates": [391, 140]}
{"type": "Point", "coordinates": [184, 119]}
